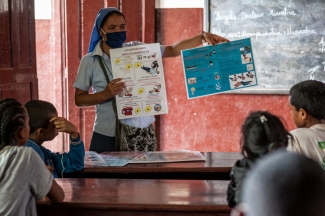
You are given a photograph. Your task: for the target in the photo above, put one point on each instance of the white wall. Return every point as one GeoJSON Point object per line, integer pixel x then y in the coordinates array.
{"type": "Point", "coordinates": [179, 3]}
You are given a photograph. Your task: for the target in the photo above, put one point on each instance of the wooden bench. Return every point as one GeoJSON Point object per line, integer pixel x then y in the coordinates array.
{"type": "Point", "coordinates": [216, 167]}
{"type": "Point", "coordinates": [92, 197]}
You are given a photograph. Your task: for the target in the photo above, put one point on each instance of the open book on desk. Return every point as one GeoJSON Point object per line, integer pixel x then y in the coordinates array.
{"type": "Point", "coordinates": [123, 158]}
{"type": "Point", "coordinates": [168, 156]}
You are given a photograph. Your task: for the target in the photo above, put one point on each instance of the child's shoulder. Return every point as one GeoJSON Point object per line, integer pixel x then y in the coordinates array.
{"type": "Point", "coordinates": [17, 153]}
{"type": "Point", "coordinates": [242, 166]}
{"type": "Point", "coordinates": [317, 128]}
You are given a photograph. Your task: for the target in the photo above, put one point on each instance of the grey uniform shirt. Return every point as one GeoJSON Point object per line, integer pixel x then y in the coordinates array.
{"type": "Point", "coordinates": [309, 142]}
{"type": "Point", "coordinates": [23, 177]}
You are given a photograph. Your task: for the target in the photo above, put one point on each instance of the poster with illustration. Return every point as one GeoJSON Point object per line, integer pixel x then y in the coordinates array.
{"type": "Point", "coordinates": [216, 69]}
{"type": "Point", "coordinates": [141, 69]}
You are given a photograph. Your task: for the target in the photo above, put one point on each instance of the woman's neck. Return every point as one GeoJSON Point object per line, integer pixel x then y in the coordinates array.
{"type": "Point", "coordinates": [105, 48]}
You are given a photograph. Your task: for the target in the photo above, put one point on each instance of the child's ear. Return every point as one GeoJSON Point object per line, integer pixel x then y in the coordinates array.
{"type": "Point", "coordinates": [40, 132]}
{"type": "Point", "coordinates": [303, 114]}
{"type": "Point", "coordinates": [21, 136]}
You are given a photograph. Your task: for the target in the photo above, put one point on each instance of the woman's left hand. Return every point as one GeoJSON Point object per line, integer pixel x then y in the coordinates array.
{"type": "Point", "coordinates": [214, 39]}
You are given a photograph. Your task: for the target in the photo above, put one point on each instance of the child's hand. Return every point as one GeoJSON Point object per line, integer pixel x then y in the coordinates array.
{"type": "Point", "coordinates": [46, 199]}
{"type": "Point", "coordinates": [49, 168]}
{"type": "Point", "coordinates": [63, 125]}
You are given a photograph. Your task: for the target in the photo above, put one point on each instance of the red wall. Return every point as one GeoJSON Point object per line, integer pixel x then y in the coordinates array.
{"type": "Point", "coordinates": [209, 123]}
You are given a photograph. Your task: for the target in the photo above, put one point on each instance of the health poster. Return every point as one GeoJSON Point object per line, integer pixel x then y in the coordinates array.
{"type": "Point", "coordinates": [216, 69]}
{"type": "Point", "coordinates": [141, 69]}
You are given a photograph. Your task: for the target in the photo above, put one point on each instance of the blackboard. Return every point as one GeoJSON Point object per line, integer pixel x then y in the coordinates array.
{"type": "Point", "coordinates": [288, 38]}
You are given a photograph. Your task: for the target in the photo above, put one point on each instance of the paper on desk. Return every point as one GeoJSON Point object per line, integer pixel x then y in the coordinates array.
{"type": "Point", "coordinates": [168, 156]}
{"type": "Point", "coordinates": [94, 159]}
{"type": "Point", "coordinates": [118, 158]}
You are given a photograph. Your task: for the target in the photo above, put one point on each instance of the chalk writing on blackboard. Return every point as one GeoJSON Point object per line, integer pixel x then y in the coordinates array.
{"type": "Point", "coordinates": [288, 38]}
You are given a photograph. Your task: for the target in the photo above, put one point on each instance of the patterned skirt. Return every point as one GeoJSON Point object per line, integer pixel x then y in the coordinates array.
{"type": "Point", "coordinates": [137, 139]}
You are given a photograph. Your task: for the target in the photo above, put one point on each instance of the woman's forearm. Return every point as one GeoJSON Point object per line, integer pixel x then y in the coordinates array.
{"type": "Point", "coordinates": [86, 99]}
{"type": "Point", "coordinates": [175, 49]}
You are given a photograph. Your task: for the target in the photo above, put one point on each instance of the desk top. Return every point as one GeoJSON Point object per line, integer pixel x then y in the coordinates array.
{"type": "Point", "coordinates": [215, 162]}
{"type": "Point", "coordinates": [216, 167]}
{"type": "Point", "coordinates": [140, 195]}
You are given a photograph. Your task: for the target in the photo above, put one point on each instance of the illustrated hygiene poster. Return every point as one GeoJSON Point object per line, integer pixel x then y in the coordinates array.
{"type": "Point", "coordinates": [216, 69]}
{"type": "Point", "coordinates": [141, 69]}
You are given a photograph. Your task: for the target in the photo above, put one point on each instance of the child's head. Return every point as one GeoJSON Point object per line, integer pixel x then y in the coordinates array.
{"type": "Point", "coordinates": [40, 113]}
{"type": "Point", "coordinates": [261, 133]}
{"type": "Point", "coordinates": [306, 101]}
{"type": "Point", "coordinates": [14, 128]}
{"type": "Point", "coordinates": [285, 183]}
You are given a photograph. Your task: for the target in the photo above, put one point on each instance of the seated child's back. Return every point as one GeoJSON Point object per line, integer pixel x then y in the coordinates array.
{"type": "Point", "coordinates": [262, 132]}
{"type": "Point", "coordinates": [44, 126]}
{"type": "Point", "coordinates": [307, 105]}
{"type": "Point", "coordinates": [23, 176]}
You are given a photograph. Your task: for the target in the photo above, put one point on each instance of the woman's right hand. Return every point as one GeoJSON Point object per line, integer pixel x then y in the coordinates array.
{"type": "Point", "coordinates": [84, 99]}
{"type": "Point", "coordinates": [114, 88]}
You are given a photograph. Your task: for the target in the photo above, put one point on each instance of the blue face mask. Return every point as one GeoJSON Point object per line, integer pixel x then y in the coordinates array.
{"type": "Point", "coordinates": [115, 39]}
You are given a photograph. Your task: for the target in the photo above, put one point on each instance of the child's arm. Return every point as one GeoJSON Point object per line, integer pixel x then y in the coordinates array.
{"type": "Point", "coordinates": [56, 193]}
{"type": "Point", "coordinates": [41, 182]}
{"type": "Point", "coordinates": [63, 125]}
{"type": "Point", "coordinates": [73, 160]}
{"type": "Point", "coordinates": [231, 190]}
{"type": "Point", "coordinates": [50, 169]}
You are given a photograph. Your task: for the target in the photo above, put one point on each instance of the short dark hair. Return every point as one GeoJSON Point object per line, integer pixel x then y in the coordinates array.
{"type": "Point", "coordinates": [12, 116]}
{"type": "Point", "coordinates": [285, 183]}
{"type": "Point", "coordinates": [310, 96]}
{"type": "Point", "coordinates": [110, 14]}
{"type": "Point", "coordinates": [40, 113]}
{"type": "Point", "coordinates": [262, 132]}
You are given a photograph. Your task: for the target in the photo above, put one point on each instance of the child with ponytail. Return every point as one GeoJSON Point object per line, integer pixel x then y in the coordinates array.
{"type": "Point", "coordinates": [262, 133]}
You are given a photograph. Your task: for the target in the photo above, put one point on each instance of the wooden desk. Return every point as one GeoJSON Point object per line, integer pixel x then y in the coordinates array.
{"type": "Point", "coordinates": [216, 167]}
{"type": "Point", "coordinates": [92, 197]}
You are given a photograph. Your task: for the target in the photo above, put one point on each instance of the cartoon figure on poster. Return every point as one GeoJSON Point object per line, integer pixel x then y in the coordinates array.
{"type": "Point", "coordinates": [242, 80]}
{"type": "Point", "coordinates": [250, 75]}
{"type": "Point", "coordinates": [155, 91]}
{"type": "Point", "coordinates": [218, 87]}
{"type": "Point", "coordinates": [192, 90]}
{"type": "Point", "coordinates": [192, 80]}
{"type": "Point", "coordinates": [242, 76]}
{"type": "Point", "coordinates": [246, 56]}
{"type": "Point", "coordinates": [217, 76]}
{"type": "Point", "coordinates": [234, 78]}
{"type": "Point", "coordinates": [153, 69]}
{"type": "Point", "coordinates": [124, 71]}
{"type": "Point", "coordinates": [127, 92]}
{"type": "Point", "coordinates": [250, 67]}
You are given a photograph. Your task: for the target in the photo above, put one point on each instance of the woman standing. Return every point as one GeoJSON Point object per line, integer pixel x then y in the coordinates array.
{"type": "Point", "coordinates": [109, 32]}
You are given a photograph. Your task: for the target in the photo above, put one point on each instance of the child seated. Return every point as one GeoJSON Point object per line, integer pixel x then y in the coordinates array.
{"type": "Point", "coordinates": [44, 126]}
{"type": "Point", "coordinates": [262, 132]}
{"type": "Point", "coordinates": [23, 175]}
{"type": "Point", "coordinates": [307, 105]}
{"type": "Point", "coordinates": [282, 184]}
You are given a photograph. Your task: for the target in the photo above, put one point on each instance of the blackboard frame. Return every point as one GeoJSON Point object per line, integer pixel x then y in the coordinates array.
{"type": "Point", "coordinates": [254, 90]}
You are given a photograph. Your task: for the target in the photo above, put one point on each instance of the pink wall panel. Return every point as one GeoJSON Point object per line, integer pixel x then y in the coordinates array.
{"type": "Point", "coordinates": [49, 73]}
{"type": "Point", "coordinates": [209, 123]}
